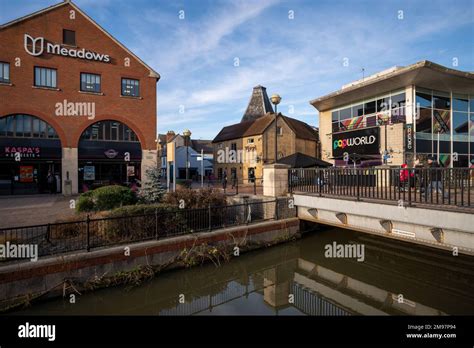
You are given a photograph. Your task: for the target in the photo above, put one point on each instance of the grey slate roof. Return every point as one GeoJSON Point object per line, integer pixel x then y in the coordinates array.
{"type": "Point", "coordinates": [301, 129]}
{"type": "Point", "coordinates": [259, 104]}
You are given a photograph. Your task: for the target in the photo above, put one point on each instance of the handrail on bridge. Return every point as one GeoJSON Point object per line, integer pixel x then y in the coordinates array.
{"type": "Point", "coordinates": [407, 186]}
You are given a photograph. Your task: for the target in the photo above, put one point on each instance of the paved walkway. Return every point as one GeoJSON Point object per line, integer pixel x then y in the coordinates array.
{"type": "Point", "coordinates": [33, 209]}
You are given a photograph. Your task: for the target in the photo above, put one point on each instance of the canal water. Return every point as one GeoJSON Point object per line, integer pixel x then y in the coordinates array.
{"type": "Point", "coordinates": [298, 278]}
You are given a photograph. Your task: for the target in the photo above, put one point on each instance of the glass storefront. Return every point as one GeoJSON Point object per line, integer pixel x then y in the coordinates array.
{"type": "Point", "coordinates": [109, 154]}
{"type": "Point", "coordinates": [445, 126]}
{"type": "Point", "coordinates": [388, 108]}
{"type": "Point", "coordinates": [30, 156]}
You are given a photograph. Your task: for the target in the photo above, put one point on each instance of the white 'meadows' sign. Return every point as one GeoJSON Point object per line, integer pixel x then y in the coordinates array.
{"type": "Point", "coordinates": [37, 46]}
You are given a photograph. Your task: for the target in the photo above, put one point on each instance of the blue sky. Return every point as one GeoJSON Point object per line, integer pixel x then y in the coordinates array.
{"type": "Point", "coordinates": [300, 58]}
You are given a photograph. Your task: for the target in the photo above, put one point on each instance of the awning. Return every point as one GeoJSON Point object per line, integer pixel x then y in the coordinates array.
{"type": "Point", "coordinates": [300, 160]}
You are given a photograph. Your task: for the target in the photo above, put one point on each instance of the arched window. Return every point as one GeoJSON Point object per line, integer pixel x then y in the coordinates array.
{"type": "Point", "coordinates": [26, 126]}
{"type": "Point", "coordinates": [109, 131]}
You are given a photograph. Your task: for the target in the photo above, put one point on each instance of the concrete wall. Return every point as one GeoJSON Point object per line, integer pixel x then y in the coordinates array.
{"type": "Point", "coordinates": [48, 275]}
{"type": "Point", "coordinates": [437, 228]}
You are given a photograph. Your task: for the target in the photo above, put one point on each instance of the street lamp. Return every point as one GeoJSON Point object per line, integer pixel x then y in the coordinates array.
{"type": "Point", "coordinates": [187, 136]}
{"type": "Point", "coordinates": [275, 98]}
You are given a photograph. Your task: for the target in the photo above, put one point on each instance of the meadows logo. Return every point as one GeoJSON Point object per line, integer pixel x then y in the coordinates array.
{"type": "Point", "coordinates": [37, 331]}
{"type": "Point", "coordinates": [365, 140]}
{"type": "Point", "coordinates": [37, 46]}
{"type": "Point", "coordinates": [75, 109]}
{"type": "Point", "coordinates": [345, 251]}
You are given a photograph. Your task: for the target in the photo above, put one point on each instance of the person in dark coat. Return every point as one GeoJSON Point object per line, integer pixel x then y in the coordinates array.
{"type": "Point", "coordinates": [435, 178]}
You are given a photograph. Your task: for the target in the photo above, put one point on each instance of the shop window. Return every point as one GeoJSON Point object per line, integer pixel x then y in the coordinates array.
{"type": "Point", "coordinates": [109, 131]}
{"type": "Point", "coordinates": [69, 37]}
{"type": "Point", "coordinates": [19, 126]}
{"type": "Point", "coordinates": [471, 127]}
{"type": "Point", "coordinates": [345, 113]}
{"type": "Point", "coordinates": [369, 108]}
{"type": "Point", "coordinates": [441, 121]}
{"type": "Point", "coordinates": [90, 83]}
{"type": "Point", "coordinates": [358, 110]}
{"type": "Point", "coordinates": [130, 88]}
{"type": "Point", "coordinates": [383, 104]}
{"type": "Point", "coordinates": [462, 161]}
{"type": "Point", "coordinates": [233, 146]}
{"type": "Point", "coordinates": [25, 126]}
{"type": "Point", "coordinates": [423, 123]}
{"type": "Point", "coordinates": [45, 77]}
{"type": "Point", "coordinates": [3, 126]}
{"type": "Point", "coordinates": [398, 115]}
{"type": "Point", "coordinates": [441, 101]}
{"type": "Point", "coordinates": [371, 121]}
{"type": "Point", "coordinates": [4, 72]}
{"type": "Point", "coordinates": [398, 100]}
{"type": "Point", "coordinates": [335, 116]}
{"type": "Point", "coordinates": [335, 127]}
{"type": "Point", "coordinates": [460, 103]}
{"type": "Point", "coordinates": [460, 126]}
{"type": "Point", "coordinates": [423, 100]}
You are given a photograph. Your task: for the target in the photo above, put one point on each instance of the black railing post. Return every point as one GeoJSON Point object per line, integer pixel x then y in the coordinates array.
{"type": "Point", "coordinates": [48, 233]}
{"type": "Point", "coordinates": [210, 217]}
{"type": "Point", "coordinates": [88, 234]}
{"type": "Point", "coordinates": [255, 186]}
{"type": "Point", "coordinates": [409, 185]}
{"type": "Point", "coordinates": [246, 211]}
{"type": "Point", "coordinates": [358, 183]}
{"type": "Point", "coordinates": [276, 209]}
{"type": "Point", "coordinates": [156, 223]}
{"type": "Point", "coordinates": [237, 186]}
{"type": "Point", "coordinates": [290, 184]}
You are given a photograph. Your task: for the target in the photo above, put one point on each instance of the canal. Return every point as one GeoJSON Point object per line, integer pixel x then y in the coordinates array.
{"type": "Point", "coordinates": [296, 278]}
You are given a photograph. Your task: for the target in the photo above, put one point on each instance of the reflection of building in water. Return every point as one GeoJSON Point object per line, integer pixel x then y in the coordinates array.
{"type": "Point", "coordinates": [277, 284]}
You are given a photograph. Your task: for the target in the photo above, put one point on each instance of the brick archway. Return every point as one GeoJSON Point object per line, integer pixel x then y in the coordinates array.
{"type": "Point", "coordinates": [62, 135]}
{"type": "Point", "coordinates": [77, 135]}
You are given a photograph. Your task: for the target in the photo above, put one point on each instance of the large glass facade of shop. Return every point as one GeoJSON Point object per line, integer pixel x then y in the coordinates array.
{"type": "Point", "coordinates": [388, 108]}
{"type": "Point", "coordinates": [30, 156]}
{"type": "Point", "coordinates": [109, 154]}
{"type": "Point", "coordinates": [445, 126]}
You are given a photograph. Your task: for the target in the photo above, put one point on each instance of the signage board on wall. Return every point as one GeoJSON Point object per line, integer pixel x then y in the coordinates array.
{"type": "Point", "coordinates": [89, 173]}
{"type": "Point", "coordinates": [362, 142]}
{"type": "Point", "coordinates": [409, 137]}
{"type": "Point", "coordinates": [37, 46]}
{"type": "Point", "coordinates": [26, 173]}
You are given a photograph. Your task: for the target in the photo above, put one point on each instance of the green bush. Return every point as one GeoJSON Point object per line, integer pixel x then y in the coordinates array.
{"type": "Point", "coordinates": [138, 222]}
{"type": "Point", "coordinates": [184, 183]}
{"type": "Point", "coordinates": [194, 199]}
{"type": "Point", "coordinates": [105, 198]}
{"type": "Point", "coordinates": [110, 197]}
{"type": "Point", "coordinates": [85, 202]}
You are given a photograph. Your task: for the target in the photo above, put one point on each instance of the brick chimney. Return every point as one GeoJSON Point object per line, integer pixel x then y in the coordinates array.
{"type": "Point", "coordinates": [170, 135]}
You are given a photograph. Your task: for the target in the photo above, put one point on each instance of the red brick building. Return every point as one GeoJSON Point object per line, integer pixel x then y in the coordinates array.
{"type": "Point", "coordinates": [77, 110]}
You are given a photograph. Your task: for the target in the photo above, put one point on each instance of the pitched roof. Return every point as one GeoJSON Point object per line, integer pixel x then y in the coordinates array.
{"type": "Point", "coordinates": [301, 129]}
{"type": "Point", "coordinates": [153, 73]}
{"type": "Point", "coordinates": [245, 129]}
{"type": "Point", "coordinates": [300, 160]}
{"type": "Point", "coordinates": [259, 104]}
{"type": "Point", "coordinates": [205, 145]}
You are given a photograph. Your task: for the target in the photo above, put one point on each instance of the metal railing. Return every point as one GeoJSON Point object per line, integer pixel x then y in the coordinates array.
{"type": "Point", "coordinates": [90, 233]}
{"type": "Point", "coordinates": [408, 186]}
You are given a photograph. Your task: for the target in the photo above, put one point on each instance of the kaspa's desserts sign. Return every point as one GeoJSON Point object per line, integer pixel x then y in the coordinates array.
{"type": "Point", "coordinates": [37, 46]}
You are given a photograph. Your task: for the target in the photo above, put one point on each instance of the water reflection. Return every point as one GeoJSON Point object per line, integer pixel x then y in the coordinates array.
{"type": "Point", "coordinates": [297, 279]}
